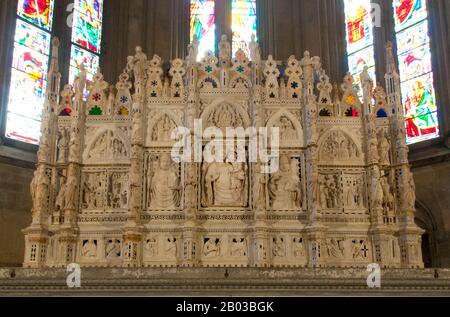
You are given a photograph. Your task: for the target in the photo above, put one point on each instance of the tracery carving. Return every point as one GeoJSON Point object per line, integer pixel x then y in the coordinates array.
{"type": "Point", "coordinates": [337, 146]}
{"type": "Point", "coordinates": [106, 146]}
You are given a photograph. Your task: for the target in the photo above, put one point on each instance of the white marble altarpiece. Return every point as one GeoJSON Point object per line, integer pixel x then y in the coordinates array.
{"type": "Point", "coordinates": [106, 192]}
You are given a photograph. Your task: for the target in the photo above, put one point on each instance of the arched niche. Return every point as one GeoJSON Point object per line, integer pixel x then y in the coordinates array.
{"type": "Point", "coordinates": [291, 131]}
{"type": "Point", "coordinates": [160, 127]}
{"type": "Point", "coordinates": [242, 82]}
{"type": "Point", "coordinates": [425, 220]}
{"type": "Point", "coordinates": [208, 82]}
{"type": "Point", "coordinates": [338, 146]}
{"type": "Point", "coordinates": [223, 113]}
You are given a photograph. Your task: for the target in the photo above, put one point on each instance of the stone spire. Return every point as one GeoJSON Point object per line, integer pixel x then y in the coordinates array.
{"type": "Point", "coordinates": [393, 83]}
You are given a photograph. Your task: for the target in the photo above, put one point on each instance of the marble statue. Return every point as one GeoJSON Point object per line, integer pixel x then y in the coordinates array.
{"type": "Point", "coordinates": [164, 184]}
{"type": "Point", "coordinates": [171, 247]}
{"type": "Point", "coordinates": [211, 248]}
{"type": "Point", "coordinates": [285, 187]}
{"type": "Point", "coordinates": [89, 248]}
{"type": "Point", "coordinates": [224, 51]}
{"type": "Point", "coordinates": [239, 247]}
{"type": "Point", "coordinates": [63, 144]}
{"type": "Point", "coordinates": [225, 184]}
{"type": "Point", "coordinates": [113, 248]}
{"type": "Point", "coordinates": [383, 148]}
{"type": "Point", "coordinates": [298, 247]}
{"type": "Point", "coordinates": [335, 248]}
{"type": "Point", "coordinates": [60, 202]}
{"type": "Point", "coordinates": [255, 51]}
{"type": "Point", "coordinates": [151, 247]}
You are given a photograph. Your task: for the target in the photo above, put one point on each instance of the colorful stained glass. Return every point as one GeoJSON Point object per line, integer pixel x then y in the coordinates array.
{"type": "Point", "coordinates": [29, 69]}
{"type": "Point", "coordinates": [416, 76]}
{"type": "Point", "coordinates": [80, 56]}
{"type": "Point", "coordinates": [87, 32]}
{"type": "Point", "coordinates": [411, 95]}
{"type": "Point", "coordinates": [422, 127]}
{"type": "Point", "coordinates": [32, 37]}
{"type": "Point", "coordinates": [23, 129]}
{"type": "Point", "coordinates": [359, 25]}
{"type": "Point", "coordinates": [358, 60]}
{"type": "Point", "coordinates": [413, 37]}
{"type": "Point", "coordinates": [30, 61]}
{"type": "Point", "coordinates": [420, 109]}
{"type": "Point", "coordinates": [359, 36]}
{"type": "Point", "coordinates": [243, 24]}
{"type": "Point", "coordinates": [409, 12]}
{"type": "Point", "coordinates": [38, 12]}
{"type": "Point", "coordinates": [415, 62]}
{"type": "Point", "coordinates": [202, 24]}
{"type": "Point", "coordinates": [26, 96]}
{"type": "Point", "coordinates": [93, 9]}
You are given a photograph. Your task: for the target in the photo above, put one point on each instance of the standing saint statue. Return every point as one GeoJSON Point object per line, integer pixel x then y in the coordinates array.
{"type": "Point", "coordinates": [224, 51]}
{"type": "Point", "coordinates": [63, 144]}
{"type": "Point", "coordinates": [383, 149]}
{"type": "Point", "coordinates": [60, 202]}
{"type": "Point", "coordinates": [255, 51]}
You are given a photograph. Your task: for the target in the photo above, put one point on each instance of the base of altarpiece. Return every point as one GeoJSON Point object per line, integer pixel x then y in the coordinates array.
{"type": "Point", "coordinates": [224, 282]}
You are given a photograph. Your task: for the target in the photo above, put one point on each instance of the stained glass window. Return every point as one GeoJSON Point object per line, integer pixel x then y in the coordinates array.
{"type": "Point", "coordinates": [243, 24]}
{"type": "Point", "coordinates": [86, 37]}
{"type": "Point", "coordinates": [29, 70]}
{"type": "Point", "coordinates": [38, 12]}
{"type": "Point", "coordinates": [414, 58]}
{"type": "Point", "coordinates": [202, 24]}
{"type": "Point", "coordinates": [360, 48]}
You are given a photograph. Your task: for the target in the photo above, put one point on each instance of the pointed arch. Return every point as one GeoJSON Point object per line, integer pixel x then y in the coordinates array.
{"type": "Point", "coordinates": [213, 80]}
{"type": "Point", "coordinates": [299, 140]}
{"type": "Point", "coordinates": [109, 155]}
{"type": "Point", "coordinates": [241, 116]}
{"type": "Point", "coordinates": [338, 145]}
{"type": "Point", "coordinates": [156, 120]}
{"type": "Point", "coordinates": [239, 79]}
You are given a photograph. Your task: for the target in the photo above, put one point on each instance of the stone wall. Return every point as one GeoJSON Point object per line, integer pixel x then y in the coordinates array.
{"type": "Point", "coordinates": [433, 204]}
{"type": "Point", "coordinates": [15, 206]}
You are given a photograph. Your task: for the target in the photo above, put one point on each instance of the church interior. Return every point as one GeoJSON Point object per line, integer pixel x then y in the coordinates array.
{"type": "Point", "coordinates": [91, 89]}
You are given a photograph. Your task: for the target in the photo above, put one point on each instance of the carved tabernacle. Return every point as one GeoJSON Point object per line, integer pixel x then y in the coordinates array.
{"type": "Point", "coordinates": [106, 191]}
